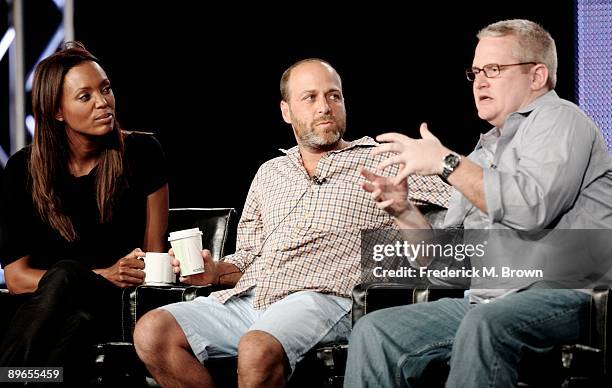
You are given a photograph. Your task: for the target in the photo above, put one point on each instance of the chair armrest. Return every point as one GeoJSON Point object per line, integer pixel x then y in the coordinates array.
{"type": "Point", "coordinates": [368, 297]}
{"type": "Point", "coordinates": [592, 362]}
{"type": "Point", "coordinates": [145, 298]}
{"type": "Point", "coordinates": [600, 334]}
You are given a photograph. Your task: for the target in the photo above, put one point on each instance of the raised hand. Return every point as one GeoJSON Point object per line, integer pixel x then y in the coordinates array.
{"type": "Point", "coordinates": [387, 195]}
{"type": "Point", "coordinates": [417, 156]}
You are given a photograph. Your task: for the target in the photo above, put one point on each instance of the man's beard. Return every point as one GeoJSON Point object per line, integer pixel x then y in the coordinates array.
{"type": "Point", "coordinates": [310, 138]}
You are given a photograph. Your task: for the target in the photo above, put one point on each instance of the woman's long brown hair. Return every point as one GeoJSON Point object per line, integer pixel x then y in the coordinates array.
{"type": "Point", "coordinates": [50, 153]}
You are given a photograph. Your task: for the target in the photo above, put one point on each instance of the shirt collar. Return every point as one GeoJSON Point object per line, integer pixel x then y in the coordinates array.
{"type": "Point", "coordinates": [365, 141]}
{"type": "Point", "coordinates": [514, 119]}
{"type": "Point", "coordinates": [551, 95]}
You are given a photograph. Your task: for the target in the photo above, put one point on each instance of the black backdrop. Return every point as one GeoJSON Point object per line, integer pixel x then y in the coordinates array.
{"type": "Point", "coordinates": [205, 79]}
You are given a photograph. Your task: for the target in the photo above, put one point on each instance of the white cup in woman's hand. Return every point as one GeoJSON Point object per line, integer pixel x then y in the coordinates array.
{"type": "Point", "coordinates": [158, 269]}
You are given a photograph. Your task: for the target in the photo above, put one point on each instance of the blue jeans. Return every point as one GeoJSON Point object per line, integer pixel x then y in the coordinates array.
{"type": "Point", "coordinates": [483, 343]}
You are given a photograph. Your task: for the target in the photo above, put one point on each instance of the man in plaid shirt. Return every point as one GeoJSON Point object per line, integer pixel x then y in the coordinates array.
{"type": "Point", "coordinates": [297, 256]}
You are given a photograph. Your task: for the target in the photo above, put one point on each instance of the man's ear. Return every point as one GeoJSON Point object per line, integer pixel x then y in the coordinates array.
{"type": "Point", "coordinates": [539, 76]}
{"type": "Point", "coordinates": [286, 112]}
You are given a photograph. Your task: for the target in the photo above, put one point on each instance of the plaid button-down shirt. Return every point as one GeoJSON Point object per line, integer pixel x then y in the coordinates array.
{"type": "Point", "coordinates": [295, 234]}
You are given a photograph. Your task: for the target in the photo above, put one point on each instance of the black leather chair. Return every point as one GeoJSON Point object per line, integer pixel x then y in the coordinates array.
{"type": "Point", "coordinates": [116, 362]}
{"type": "Point", "coordinates": [568, 366]}
{"type": "Point", "coordinates": [218, 226]}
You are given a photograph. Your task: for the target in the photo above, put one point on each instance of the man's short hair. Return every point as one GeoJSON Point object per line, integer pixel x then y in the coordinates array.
{"type": "Point", "coordinates": [534, 43]}
{"type": "Point", "coordinates": [284, 87]}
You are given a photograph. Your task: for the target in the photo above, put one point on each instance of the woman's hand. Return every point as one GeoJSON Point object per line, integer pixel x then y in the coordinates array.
{"type": "Point", "coordinates": [127, 271]}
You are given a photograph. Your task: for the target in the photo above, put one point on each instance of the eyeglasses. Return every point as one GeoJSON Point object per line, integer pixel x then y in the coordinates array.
{"type": "Point", "coordinates": [491, 70]}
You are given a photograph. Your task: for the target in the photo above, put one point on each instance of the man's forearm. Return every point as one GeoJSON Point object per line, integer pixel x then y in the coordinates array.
{"type": "Point", "coordinates": [468, 178]}
{"type": "Point", "coordinates": [411, 218]}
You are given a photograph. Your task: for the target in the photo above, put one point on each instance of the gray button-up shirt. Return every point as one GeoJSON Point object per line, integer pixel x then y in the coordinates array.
{"type": "Point", "coordinates": [547, 168]}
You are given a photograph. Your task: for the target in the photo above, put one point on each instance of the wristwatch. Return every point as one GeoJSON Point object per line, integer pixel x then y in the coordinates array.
{"type": "Point", "coordinates": [450, 163]}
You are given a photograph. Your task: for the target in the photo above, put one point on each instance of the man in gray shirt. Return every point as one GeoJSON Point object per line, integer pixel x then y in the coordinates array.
{"type": "Point", "coordinates": [543, 166]}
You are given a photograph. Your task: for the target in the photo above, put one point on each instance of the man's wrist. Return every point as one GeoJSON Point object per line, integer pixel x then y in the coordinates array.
{"type": "Point", "coordinates": [404, 208]}
{"type": "Point", "coordinates": [449, 164]}
{"type": "Point", "coordinates": [217, 275]}
{"type": "Point", "coordinates": [411, 218]}
{"type": "Point", "coordinates": [226, 274]}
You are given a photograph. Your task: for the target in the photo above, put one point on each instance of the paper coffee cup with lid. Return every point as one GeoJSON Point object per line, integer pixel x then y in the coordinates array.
{"type": "Point", "coordinates": [158, 269]}
{"type": "Point", "coordinates": [187, 247]}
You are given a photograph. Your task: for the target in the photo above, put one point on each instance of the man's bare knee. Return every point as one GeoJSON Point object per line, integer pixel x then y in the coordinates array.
{"type": "Point", "coordinates": [260, 351]}
{"type": "Point", "coordinates": [155, 332]}
{"type": "Point", "coordinates": [163, 347]}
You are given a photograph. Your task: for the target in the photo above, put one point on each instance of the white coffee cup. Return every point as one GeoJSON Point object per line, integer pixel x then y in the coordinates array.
{"type": "Point", "coordinates": [158, 269]}
{"type": "Point", "coordinates": [187, 247]}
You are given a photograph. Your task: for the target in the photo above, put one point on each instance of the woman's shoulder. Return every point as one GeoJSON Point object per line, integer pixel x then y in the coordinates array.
{"type": "Point", "coordinates": [138, 137]}
{"type": "Point", "coordinates": [137, 141]}
{"type": "Point", "coordinates": [16, 175]}
{"type": "Point", "coordinates": [18, 161]}
{"type": "Point", "coordinates": [145, 158]}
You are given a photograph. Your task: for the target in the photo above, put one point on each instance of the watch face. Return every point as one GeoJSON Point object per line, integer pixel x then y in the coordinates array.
{"type": "Point", "coordinates": [451, 160]}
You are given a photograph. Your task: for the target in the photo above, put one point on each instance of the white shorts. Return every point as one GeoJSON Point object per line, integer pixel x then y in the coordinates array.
{"type": "Point", "coordinates": [299, 322]}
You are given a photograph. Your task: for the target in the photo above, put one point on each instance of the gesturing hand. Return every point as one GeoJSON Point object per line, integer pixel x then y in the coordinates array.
{"type": "Point", "coordinates": [418, 156]}
{"type": "Point", "coordinates": [391, 197]}
{"type": "Point", "coordinates": [127, 271]}
{"type": "Point", "coordinates": [209, 276]}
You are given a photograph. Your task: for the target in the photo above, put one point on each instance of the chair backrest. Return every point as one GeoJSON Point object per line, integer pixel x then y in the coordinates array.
{"type": "Point", "coordinates": [218, 226]}
{"type": "Point", "coordinates": [600, 335]}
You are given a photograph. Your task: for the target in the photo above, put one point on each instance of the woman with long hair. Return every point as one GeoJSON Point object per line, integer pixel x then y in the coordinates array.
{"type": "Point", "coordinates": [81, 204]}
